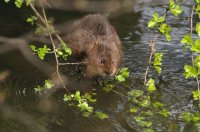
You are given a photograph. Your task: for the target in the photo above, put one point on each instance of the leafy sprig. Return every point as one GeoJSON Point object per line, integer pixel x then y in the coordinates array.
{"type": "Point", "coordinates": [41, 51]}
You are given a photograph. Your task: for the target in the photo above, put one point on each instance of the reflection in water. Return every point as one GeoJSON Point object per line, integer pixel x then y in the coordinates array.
{"type": "Point", "coordinates": [23, 109]}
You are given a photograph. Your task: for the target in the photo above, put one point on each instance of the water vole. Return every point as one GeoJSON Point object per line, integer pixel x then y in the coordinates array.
{"type": "Point", "coordinates": [94, 37]}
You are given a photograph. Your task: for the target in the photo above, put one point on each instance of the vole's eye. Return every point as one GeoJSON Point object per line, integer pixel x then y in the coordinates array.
{"type": "Point", "coordinates": [102, 61]}
{"type": "Point", "coordinates": [113, 62]}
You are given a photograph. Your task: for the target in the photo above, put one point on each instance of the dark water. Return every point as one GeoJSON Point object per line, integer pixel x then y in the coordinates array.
{"type": "Point", "coordinates": [25, 110]}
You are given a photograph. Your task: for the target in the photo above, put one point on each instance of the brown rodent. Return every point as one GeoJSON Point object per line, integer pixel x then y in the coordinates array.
{"type": "Point", "coordinates": [94, 37]}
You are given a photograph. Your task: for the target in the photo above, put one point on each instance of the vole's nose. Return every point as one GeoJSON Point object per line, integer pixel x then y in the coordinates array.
{"type": "Point", "coordinates": [107, 72]}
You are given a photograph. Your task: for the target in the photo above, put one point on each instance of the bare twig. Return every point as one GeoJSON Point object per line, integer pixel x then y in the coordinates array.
{"type": "Point", "coordinates": [152, 45]}
{"type": "Point", "coordinates": [75, 63]}
{"type": "Point", "coordinates": [44, 22]}
{"type": "Point", "coordinates": [120, 94]}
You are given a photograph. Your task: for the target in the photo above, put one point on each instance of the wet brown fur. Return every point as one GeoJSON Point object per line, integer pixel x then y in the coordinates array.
{"type": "Point", "coordinates": [94, 37]}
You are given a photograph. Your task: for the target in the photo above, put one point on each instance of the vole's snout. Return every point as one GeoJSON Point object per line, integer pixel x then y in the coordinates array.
{"type": "Point", "coordinates": [107, 72]}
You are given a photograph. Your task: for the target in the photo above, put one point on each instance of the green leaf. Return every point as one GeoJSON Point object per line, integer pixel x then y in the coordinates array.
{"type": "Point", "coordinates": [145, 102]}
{"type": "Point", "coordinates": [151, 24]}
{"type": "Point", "coordinates": [164, 112]}
{"type": "Point", "coordinates": [198, 28]}
{"type": "Point", "coordinates": [175, 8]}
{"type": "Point", "coordinates": [165, 29]}
{"type": "Point", "coordinates": [151, 85]}
{"type": "Point", "coordinates": [141, 121]}
{"type": "Point", "coordinates": [67, 98]}
{"type": "Point", "coordinates": [133, 110]}
{"type": "Point", "coordinates": [42, 51]}
{"type": "Point", "coordinates": [19, 3]}
{"type": "Point", "coordinates": [64, 51]}
{"type": "Point", "coordinates": [158, 61]}
{"type": "Point", "coordinates": [77, 96]}
{"type": "Point", "coordinates": [108, 87]}
{"type": "Point", "coordinates": [123, 75]}
{"type": "Point", "coordinates": [135, 93]}
{"type": "Point", "coordinates": [196, 95]}
{"type": "Point", "coordinates": [28, 2]}
{"type": "Point", "coordinates": [38, 89]}
{"type": "Point", "coordinates": [187, 39]}
{"type": "Point", "coordinates": [124, 72]}
{"type": "Point", "coordinates": [197, 9]}
{"type": "Point", "coordinates": [31, 19]}
{"type": "Point", "coordinates": [149, 113]}
{"type": "Point", "coordinates": [187, 116]}
{"type": "Point", "coordinates": [155, 20]}
{"type": "Point", "coordinates": [158, 105]}
{"type": "Point", "coordinates": [197, 62]}
{"type": "Point", "coordinates": [197, 1]}
{"type": "Point", "coordinates": [195, 46]}
{"type": "Point", "coordinates": [89, 97]}
{"type": "Point", "coordinates": [101, 115]}
{"type": "Point", "coordinates": [190, 71]}
{"type": "Point", "coordinates": [48, 84]}
{"type": "Point", "coordinates": [85, 107]}
{"type": "Point", "coordinates": [33, 47]}
{"type": "Point", "coordinates": [139, 118]}
{"type": "Point", "coordinates": [120, 78]}
{"type": "Point", "coordinates": [7, 1]}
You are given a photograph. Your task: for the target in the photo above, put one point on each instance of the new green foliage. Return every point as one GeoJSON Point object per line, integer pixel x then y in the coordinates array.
{"type": "Point", "coordinates": [165, 30]}
{"type": "Point", "coordinates": [47, 85]}
{"type": "Point", "coordinates": [151, 85]}
{"type": "Point", "coordinates": [157, 63]}
{"type": "Point", "coordinates": [31, 19]}
{"type": "Point", "coordinates": [158, 105]}
{"type": "Point", "coordinates": [197, 62]}
{"type": "Point", "coordinates": [187, 39]}
{"type": "Point", "coordinates": [101, 115]}
{"type": "Point", "coordinates": [190, 71]}
{"type": "Point", "coordinates": [41, 51]}
{"type": "Point", "coordinates": [197, 1]}
{"type": "Point", "coordinates": [164, 112]}
{"type": "Point", "coordinates": [82, 102]}
{"type": "Point", "coordinates": [197, 9]}
{"type": "Point", "coordinates": [195, 46]}
{"type": "Point", "coordinates": [108, 87]}
{"type": "Point", "coordinates": [155, 21]}
{"type": "Point", "coordinates": [64, 51]}
{"type": "Point", "coordinates": [196, 95]}
{"type": "Point", "coordinates": [19, 3]}
{"type": "Point", "coordinates": [175, 8]}
{"type": "Point", "coordinates": [198, 28]}
{"type": "Point", "coordinates": [123, 75]}
{"type": "Point", "coordinates": [191, 117]}
{"type": "Point", "coordinates": [142, 121]}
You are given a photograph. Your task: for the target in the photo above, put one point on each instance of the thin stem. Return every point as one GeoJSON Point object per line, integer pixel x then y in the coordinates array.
{"type": "Point", "coordinates": [54, 50]}
{"type": "Point", "coordinates": [152, 45]}
{"type": "Point", "coordinates": [75, 63]}
{"type": "Point", "coordinates": [153, 50]}
{"type": "Point", "coordinates": [191, 33]}
{"type": "Point", "coordinates": [44, 22]}
{"type": "Point", "coordinates": [120, 94]}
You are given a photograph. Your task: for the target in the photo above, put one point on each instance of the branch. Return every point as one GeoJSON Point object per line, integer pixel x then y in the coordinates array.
{"type": "Point", "coordinates": [153, 50]}
{"type": "Point", "coordinates": [191, 33]}
{"type": "Point", "coordinates": [54, 50]}
{"type": "Point", "coordinates": [75, 63]}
